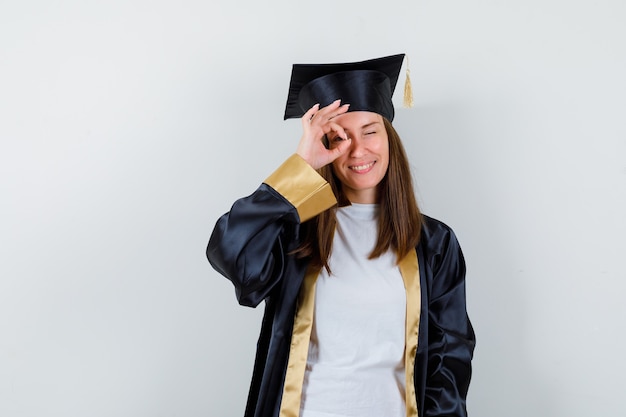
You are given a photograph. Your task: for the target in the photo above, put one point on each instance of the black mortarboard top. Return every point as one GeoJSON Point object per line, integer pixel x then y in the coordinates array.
{"type": "Point", "coordinates": [366, 86]}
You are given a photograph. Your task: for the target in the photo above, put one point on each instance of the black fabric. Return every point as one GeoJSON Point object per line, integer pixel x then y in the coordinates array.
{"type": "Point", "coordinates": [366, 86]}
{"type": "Point", "coordinates": [250, 246]}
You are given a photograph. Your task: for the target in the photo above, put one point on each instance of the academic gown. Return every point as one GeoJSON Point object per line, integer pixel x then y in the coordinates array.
{"type": "Point", "coordinates": [250, 246]}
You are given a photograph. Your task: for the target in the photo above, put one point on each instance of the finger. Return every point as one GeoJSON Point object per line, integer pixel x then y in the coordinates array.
{"type": "Point", "coordinates": [341, 148]}
{"type": "Point", "coordinates": [306, 118]}
{"type": "Point", "coordinates": [325, 113]}
{"type": "Point", "coordinates": [323, 119]}
{"type": "Point", "coordinates": [341, 110]}
{"type": "Point", "coordinates": [331, 106]}
{"type": "Point", "coordinates": [335, 127]}
{"type": "Point", "coordinates": [332, 110]}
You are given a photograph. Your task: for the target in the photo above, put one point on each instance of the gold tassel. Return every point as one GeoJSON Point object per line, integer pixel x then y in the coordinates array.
{"type": "Point", "coordinates": [408, 90]}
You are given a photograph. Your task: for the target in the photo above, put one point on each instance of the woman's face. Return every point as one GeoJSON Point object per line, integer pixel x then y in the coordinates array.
{"type": "Point", "coordinates": [364, 165]}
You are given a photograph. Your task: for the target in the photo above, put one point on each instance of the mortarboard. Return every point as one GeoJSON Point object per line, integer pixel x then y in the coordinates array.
{"type": "Point", "coordinates": [366, 86]}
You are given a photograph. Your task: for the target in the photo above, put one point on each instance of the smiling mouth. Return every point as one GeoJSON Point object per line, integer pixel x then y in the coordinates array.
{"type": "Point", "coordinates": [362, 168]}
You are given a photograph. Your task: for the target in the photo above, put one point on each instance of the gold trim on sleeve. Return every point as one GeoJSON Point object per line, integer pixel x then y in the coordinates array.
{"type": "Point", "coordinates": [303, 187]}
{"type": "Point", "coordinates": [409, 268]}
{"type": "Point", "coordinates": [299, 350]}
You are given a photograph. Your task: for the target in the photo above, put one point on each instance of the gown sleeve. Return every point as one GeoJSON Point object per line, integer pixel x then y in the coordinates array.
{"type": "Point", "coordinates": [450, 334]}
{"type": "Point", "coordinates": [250, 242]}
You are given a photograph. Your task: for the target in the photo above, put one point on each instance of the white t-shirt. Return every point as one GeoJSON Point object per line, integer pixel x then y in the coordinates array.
{"type": "Point", "coordinates": [355, 366]}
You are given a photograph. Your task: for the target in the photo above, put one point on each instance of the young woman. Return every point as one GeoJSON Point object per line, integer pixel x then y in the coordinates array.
{"type": "Point", "coordinates": [364, 296]}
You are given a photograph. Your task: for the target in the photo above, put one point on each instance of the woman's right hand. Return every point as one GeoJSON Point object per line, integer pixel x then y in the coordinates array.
{"type": "Point", "coordinates": [316, 123]}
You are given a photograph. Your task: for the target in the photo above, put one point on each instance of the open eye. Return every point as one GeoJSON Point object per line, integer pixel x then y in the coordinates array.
{"type": "Point", "coordinates": [332, 142]}
{"type": "Point", "coordinates": [336, 140]}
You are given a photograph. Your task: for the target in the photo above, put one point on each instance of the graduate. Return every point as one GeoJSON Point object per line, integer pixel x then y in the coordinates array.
{"type": "Point", "coordinates": [364, 296]}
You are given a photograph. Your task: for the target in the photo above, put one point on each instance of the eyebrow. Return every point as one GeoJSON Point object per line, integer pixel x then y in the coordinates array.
{"type": "Point", "coordinates": [365, 126]}
{"type": "Point", "coordinates": [369, 125]}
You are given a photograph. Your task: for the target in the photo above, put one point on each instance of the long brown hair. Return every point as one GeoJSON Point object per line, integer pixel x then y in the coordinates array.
{"type": "Point", "coordinates": [399, 221]}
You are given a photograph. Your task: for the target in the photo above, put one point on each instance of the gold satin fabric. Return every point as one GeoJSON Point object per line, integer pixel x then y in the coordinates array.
{"type": "Point", "coordinates": [409, 268]}
{"type": "Point", "coordinates": [299, 350]}
{"type": "Point", "coordinates": [303, 187]}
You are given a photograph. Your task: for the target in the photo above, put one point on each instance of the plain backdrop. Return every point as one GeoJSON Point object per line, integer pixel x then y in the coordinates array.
{"type": "Point", "coordinates": [128, 127]}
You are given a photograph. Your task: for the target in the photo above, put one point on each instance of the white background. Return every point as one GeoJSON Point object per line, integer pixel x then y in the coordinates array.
{"type": "Point", "coordinates": [128, 127]}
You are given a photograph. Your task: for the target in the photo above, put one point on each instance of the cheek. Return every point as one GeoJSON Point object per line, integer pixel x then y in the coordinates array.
{"type": "Point", "coordinates": [383, 150]}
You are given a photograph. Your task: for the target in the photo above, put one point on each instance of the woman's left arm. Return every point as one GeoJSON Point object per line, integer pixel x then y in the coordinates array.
{"type": "Point", "coordinates": [451, 337]}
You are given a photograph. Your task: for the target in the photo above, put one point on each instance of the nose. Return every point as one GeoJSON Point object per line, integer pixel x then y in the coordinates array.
{"type": "Point", "coordinates": [356, 148]}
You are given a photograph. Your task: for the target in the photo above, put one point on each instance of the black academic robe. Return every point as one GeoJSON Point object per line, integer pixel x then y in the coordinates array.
{"type": "Point", "coordinates": [250, 245]}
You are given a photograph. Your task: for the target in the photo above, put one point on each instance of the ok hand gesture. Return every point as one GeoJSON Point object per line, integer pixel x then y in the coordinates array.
{"type": "Point", "coordinates": [316, 123]}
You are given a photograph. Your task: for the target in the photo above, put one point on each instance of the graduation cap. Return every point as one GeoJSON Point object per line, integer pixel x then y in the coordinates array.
{"type": "Point", "coordinates": [366, 86]}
